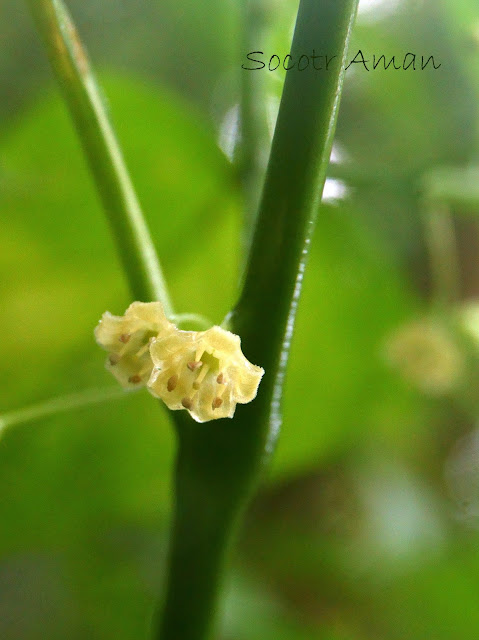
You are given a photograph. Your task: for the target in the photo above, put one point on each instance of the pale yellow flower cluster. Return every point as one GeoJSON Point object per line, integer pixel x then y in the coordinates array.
{"type": "Point", "coordinates": [204, 372]}
{"type": "Point", "coordinates": [426, 354]}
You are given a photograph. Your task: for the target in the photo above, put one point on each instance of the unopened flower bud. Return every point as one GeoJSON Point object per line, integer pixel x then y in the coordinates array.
{"type": "Point", "coordinates": [426, 354]}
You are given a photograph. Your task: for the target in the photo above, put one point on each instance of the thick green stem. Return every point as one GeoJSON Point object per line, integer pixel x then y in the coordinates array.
{"type": "Point", "coordinates": [72, 68]}
{"type": "Point", "coordinates": [265, 313]}
{"type": "Point", "coordinates": [211, 486]}
{"type": "Point", "coordinates": [220, 462]}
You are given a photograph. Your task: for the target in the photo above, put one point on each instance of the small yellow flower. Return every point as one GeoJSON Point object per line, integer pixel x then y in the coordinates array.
{"type": "Point", "coordinates": [127, 339]}
{"type": "Point", "coordinates": [204, 372]}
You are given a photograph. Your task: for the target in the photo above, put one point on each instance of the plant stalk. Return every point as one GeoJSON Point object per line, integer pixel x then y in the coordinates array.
{"type": "Point", "coordinates": [250, 160]}
{"type": "Point", "coordinates": [60, 404]}
{"type": "Point", "coordinates": [219, 463]}
{"type": "Point", "coordinates": [87, 107]}
{"type": "Point", "coordinates": [440, 237]}
{"type": "Point", "coordinates": [265, 313]}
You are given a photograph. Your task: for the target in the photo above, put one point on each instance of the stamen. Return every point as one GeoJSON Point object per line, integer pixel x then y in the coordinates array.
{"type": "Point", "coordinates": [201, 376]}
{"type": "Point", "coordinates": [172, 382]}
{"type": "Point", "coordinates": [193, 365]}
{"type": "Point", "coordinates": [222, 391]}
{"type": "Point", "coordinates": [125, 339]}
{"type": "Point", "coordinates": [146, 369]}
{"type": "Point", "coordinates": [187, 403]}
{"type": "Point", "coordinates": [114, 358]}
{"type": "Point", "coordinates": [144, 348]}
{"type": "Point", "coordinates": [220, 379]}
{"type": "Point", "coordinates": [217, 402]}
{"type": "Point", "coordinates": [134, 379]}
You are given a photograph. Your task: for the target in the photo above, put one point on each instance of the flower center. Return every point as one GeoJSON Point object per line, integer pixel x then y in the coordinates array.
{"type": "Point", "coordinates": [135, 347]}
{"type": "Point", "coordinates": [203, 367]}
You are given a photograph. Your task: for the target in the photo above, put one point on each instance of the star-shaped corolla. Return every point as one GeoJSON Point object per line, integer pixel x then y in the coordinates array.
{"type": "Point", "coordinates": [204, 372]}
{"type": "Point", "coordinates": [127, 339]}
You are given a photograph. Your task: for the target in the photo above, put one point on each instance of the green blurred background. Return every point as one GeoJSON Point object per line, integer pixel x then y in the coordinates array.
{"type": "Point", "coordinates": [367, 524]}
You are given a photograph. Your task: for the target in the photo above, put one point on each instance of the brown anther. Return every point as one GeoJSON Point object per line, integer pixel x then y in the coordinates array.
{"type": "Point", "coordinates": [134, 379]}
{"type": "Point", "coordinates": [217, 402]}
{"type": "Point", "coordinates": [113, 359]}
{"type": "Point", "coordinates": [193, 365]}
{"type": "Point", "coordinates": [125, 337]}
{"type": "Point", "coordinates": [172, 382]}
{"type": "Point", "coordinates": [186, 402]}
{"type": "Point", "coordinates": [220, 379]}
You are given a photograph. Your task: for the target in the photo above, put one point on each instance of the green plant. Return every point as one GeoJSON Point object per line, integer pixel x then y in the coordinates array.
{"type": "Point", "coordinates": [219, 464]}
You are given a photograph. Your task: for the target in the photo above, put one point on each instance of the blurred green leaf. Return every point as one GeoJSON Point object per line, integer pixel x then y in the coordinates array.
{"type": "Point", "coordinates": [84, 498]}
{"type": "Point", "coordinates": [60, 268]}
{"type": "Point", "coordinates": [339, 389]}
{"type": "Point", "coordinates": [456, 187]}
{"type": "Point", "coordinates": [71, 481]}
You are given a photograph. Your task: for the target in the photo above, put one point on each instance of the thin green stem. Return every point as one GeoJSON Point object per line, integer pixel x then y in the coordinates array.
{"type": "Point", "coordinates": [441, 242]}
{"type": "Point", "coordinates": [219, 463]}
{"type": "Point", "coordinates": [253, 135]}
{"type": "Point", "coordinates": [191, 321]}
{"type": "Point", "coordinates": [60, 404]}
{"type": "Point", "coordinates": [87, 108]}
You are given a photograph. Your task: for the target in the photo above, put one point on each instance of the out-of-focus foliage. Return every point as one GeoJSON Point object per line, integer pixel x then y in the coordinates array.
{"type": "Point", "coordinates": [355, 535]}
